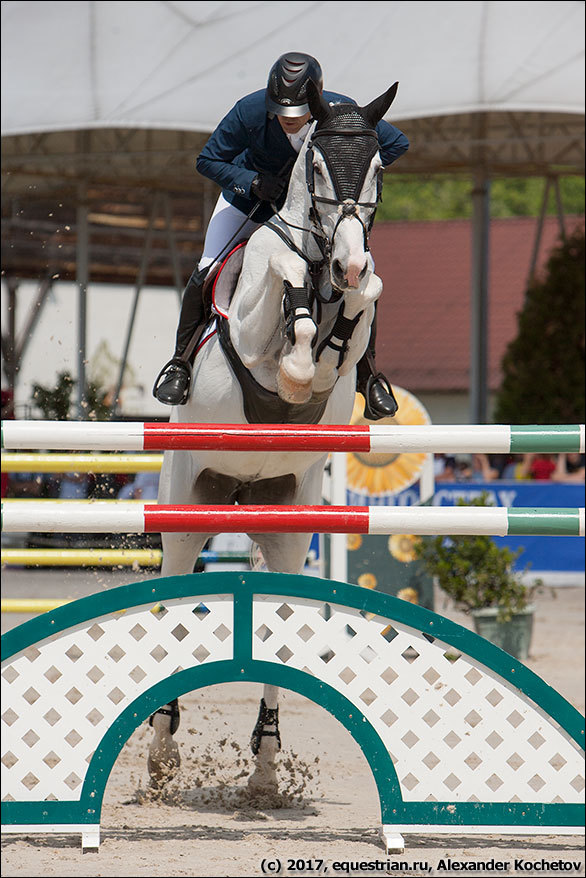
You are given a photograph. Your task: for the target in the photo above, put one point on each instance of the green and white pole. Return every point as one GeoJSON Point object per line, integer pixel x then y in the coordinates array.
{"type": "Point", "coordinates": [385, 438]}
{"type": "Point", "coordinates": [136, 517]}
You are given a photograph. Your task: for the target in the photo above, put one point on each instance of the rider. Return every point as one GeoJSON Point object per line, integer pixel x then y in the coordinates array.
{"type": "Point", "coordinates": [251, 155]}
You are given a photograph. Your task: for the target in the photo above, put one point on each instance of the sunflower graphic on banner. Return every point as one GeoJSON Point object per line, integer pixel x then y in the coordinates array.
{"type": "Point", "coordinates": [382, 478]}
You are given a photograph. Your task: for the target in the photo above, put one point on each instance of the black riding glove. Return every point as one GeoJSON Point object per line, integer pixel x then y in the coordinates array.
{"type": "Point", "coordinates": [267, 187]}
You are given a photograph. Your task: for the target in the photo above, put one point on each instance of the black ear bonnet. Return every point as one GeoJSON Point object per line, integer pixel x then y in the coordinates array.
{"type": "Point", "coordinates": [347, 154]}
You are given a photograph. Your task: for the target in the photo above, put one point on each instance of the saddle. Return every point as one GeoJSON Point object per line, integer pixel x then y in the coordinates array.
{"type": "Point", "coordinates": [220, 284]}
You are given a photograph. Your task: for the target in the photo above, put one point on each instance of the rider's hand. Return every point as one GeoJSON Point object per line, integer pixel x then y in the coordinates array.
{"type": "Point", "coordinates": [267, 187]}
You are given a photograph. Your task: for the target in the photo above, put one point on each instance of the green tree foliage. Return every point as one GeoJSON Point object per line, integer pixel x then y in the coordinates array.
{"type": "Point", "coordinates": [54, 403]}
{"type": "Point", "coordinates": [435, 198]}
{"type": "Point", "coordinates": [475, 572]}
{"type": "Point", "coordinates": [543, 367]}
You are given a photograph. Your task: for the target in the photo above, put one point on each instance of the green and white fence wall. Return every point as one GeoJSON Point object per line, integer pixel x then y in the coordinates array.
{"type": "Point", "coordinates": [460, 737]}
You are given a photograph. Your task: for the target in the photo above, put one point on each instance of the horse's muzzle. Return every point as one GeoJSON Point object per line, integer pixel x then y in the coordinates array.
{"type": "Point", "coordinates": [348, 276]}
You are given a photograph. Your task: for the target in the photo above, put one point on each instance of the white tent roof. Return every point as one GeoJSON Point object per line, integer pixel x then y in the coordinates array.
{"type": "Point", "coordinates": [182, 65]}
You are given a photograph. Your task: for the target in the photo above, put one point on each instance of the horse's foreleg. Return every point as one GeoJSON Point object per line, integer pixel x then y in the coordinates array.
{"type": "Point", "coordinates": [358, 308]}
{"type": "Point", "coordinates": [296, 367]}
{"type": "Point", "coordinates": [180, 552]}
{"type": "Point", "coordinates": [265, 742]}
{"type": "Point", "coordinates": [163, 758]}
{"type": "Point", "coordinates": [283, 553]}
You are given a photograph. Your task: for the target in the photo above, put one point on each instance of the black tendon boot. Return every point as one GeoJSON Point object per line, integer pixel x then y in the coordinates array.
{"type": "Point", "coordinates": [172, 384]}
{"type": "Point", "coordinates": [379, 400]}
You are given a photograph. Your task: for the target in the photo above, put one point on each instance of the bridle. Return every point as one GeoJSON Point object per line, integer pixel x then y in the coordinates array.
{"type": "Point", "coordinates": [298, 301]}
{"type": "Point", "coordinates": [347, 207]}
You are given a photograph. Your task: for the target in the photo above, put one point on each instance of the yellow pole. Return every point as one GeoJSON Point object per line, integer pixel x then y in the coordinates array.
{"type": "Point", "coordinates": [81, 463]}
{"type": "Point", "coordinates": [82, 557]}
{"type": "Point", "coordinates": [31, 605]}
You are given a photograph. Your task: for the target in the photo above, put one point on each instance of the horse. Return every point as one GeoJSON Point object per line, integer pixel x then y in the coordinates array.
{"type": "Point", "coordinates": [285, 351]}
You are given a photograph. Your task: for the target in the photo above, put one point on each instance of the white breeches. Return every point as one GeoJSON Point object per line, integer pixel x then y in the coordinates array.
{"type": "Point", "coordinates": [224, 223]}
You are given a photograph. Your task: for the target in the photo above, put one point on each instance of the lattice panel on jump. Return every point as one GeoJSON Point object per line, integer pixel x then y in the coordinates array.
{"type": "Point", "coordinates": [456, 731]}
{"type": "Point", "coordinates": [61, 695]}
{"type": "Point", "coordinates": [470, 729]}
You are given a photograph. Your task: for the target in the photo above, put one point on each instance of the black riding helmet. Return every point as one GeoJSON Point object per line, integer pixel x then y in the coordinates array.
{"type": "Point", "coordinates": [286, 93]}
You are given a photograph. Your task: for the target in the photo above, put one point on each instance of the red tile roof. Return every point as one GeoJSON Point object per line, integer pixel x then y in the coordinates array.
{"type": "Point", "coordinates": [423, 336]}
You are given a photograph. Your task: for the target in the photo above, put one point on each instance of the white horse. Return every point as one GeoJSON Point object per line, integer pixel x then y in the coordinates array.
{"type": "Point", "coordinates": [300, 342]}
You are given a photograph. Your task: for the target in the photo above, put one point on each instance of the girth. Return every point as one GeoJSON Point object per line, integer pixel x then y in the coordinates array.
{"type": "Point", "coordinates": [262, 406]}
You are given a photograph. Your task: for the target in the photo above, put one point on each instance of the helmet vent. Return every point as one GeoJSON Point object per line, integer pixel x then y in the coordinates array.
{"type": "Point", "coordinates": [287, 83]}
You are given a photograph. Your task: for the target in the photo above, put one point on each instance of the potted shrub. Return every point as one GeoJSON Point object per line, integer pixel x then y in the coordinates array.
{"type": "Point", "coordinates": [478, 575]}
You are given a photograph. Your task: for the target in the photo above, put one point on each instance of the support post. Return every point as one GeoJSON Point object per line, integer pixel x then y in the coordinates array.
{"type": "Point", "coordinates": [560, 209]}
{"type": "Point", "coordinates": [538, 232]}
{"type": "Point", "coordinates": [82, 279]}
{"type": "Point", "coordinates": [144, 261]}
{"type": "Point", "coordinates": [9, 339]}
{"type": "Point", "coordinates": [172, 244]}
{"type": "Point", "coordinates": [479, 301]}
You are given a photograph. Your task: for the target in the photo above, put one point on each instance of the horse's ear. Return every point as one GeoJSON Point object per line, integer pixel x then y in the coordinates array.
{"type": "Point", "coordinates": [320, 109]}
{"type": "Point", "coordinates": [376, 109]}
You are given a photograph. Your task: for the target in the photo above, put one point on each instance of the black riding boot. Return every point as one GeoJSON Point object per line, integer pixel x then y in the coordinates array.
{"type": "Point", "coordinates": [172, 384]}
{"type": "Point", "coordinates": [379, 400]}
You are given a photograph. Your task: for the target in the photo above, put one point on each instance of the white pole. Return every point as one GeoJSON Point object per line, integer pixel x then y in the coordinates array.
{"type": "Point", "coordinates": [338, 542]}
{"type": "Point", "coordinates": [427, 480]}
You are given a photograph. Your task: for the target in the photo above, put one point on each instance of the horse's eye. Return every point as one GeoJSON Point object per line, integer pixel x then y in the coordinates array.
{"type": "Point", "coordinates": [318, 170]}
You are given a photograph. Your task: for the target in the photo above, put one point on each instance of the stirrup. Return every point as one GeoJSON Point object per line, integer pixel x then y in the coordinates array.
{"type": "Point", "coordinates": [173, 713]}
{"type": "Point", "coordinates": [182, 364]}
{"type": "Point", "coordinates": [268, 716]}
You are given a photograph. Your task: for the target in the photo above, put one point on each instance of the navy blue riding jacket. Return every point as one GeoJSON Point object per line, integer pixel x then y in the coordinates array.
{"type": "Point", "coordinates": [247, 142]}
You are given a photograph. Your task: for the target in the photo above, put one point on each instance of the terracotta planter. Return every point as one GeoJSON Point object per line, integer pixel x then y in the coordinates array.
{"type": "Point", "coordinates": [513, 636]}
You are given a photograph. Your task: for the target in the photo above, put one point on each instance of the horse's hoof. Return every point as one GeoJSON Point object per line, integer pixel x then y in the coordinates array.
{"type": "Point", "coordinates": [264, 780]}
{"type": "Point", "coordinates": [163, 762]}
{"type": "Point", "coordinates": [291, 390]}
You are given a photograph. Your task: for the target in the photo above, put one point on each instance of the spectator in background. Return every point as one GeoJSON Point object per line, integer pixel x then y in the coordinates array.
{"type": "Point", "coordinates": [25, 485]}
{"type": "Point", "coordinates": [145, 486]}
{"type": "Point", "coordinates": [74, 486]}
{"type": "Point", "coordinates": [537, 467]}
{"type": "Point", "coordinates": [444, 468]}
{"type": "Point", "coordinates": [569, 468]}
{"type": "Point", "coordinates": [511, 469]}
{"type": "Point", "coordinates": [479, 470]}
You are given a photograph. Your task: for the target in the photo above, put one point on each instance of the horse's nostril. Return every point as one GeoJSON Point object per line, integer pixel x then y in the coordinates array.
{"type": "Point", "coordinates": [364, 270]}
{"type": "Point", "coordinates": [337, 268]}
